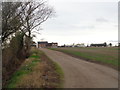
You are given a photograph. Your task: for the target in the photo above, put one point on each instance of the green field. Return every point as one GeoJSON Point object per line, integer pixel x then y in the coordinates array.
{"type": "Point", "coordinates": [103, 55]}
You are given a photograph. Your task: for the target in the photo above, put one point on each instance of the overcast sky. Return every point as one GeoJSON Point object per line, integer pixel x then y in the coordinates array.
{"type": "Point", "coordinates": [76, 21]}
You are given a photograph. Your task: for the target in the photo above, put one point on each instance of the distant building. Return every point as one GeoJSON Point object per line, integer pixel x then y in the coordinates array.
{"type": "Point", "coordinates": [80, 45]}
{"type": "Point", "coordinates": [99, 45]}
{"type": "Point", "coordinates": [45, 44]}
{"type": "Point", "coordinates": [42, 44]}
{"type": "Point", "coordinates": [52, 45]}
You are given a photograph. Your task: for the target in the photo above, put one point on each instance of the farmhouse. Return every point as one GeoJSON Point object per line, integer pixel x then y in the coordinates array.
{"type": "Point", "coordinates": [52, 45]}
{"type": "Point", "coordinates": [45, 44]}
{"type": "Point", "coordinates": [42, 44]}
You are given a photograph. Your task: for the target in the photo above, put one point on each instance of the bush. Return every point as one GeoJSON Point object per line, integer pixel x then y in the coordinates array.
{"type": "Point", "coordinates": [13, 56]}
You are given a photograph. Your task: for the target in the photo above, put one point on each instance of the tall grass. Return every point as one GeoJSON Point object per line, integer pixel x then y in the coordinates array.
{"type": "Point", "coordinates": [38, 71]}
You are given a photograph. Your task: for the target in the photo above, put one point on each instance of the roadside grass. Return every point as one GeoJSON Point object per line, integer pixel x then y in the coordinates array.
{"type": "Point", "coordinates": [34, 56]}
{"type": "Point", "coordinates": [38, 71]}
{"type": "Point", "coordinates": [106, 56]}
{"type": "Point", "coordinates": [25, 69]}
{"type": "Point", "coordinates": [20, 73]}
{"type": "Point", "coordinates": [59, 72]}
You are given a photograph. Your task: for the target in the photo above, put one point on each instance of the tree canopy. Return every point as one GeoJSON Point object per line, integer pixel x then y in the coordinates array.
{"type": "Point", "coordinates": [23, 16]}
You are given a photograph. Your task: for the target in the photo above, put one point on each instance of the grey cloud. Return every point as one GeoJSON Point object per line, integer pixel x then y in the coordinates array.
{"type": "Point", "coordinates": [81, 27]}
{"type": "Point", "coordinates": [114, 41]}
{"type": "Point", "coordinates": [102, 20]}
{"type": "Point", "coordinates": [115, 25]}
{"type": "Point", "coordinates": [87, 27]}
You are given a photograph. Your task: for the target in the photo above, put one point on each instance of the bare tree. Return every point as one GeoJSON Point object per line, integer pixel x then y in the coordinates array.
{"type": "Point", "coordinates": [34, 15]}
{"type": "Point", "coordinates": [23, 16]}
{"type": "Point", "coordinates": [10, 19]}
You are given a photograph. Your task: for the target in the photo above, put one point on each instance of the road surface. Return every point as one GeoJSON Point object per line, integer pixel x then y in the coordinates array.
{"type": "Point", "coordinates": [82, 74]}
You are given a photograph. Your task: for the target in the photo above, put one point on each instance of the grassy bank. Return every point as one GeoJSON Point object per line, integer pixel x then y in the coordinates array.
{"type": "Point", "coordinates": [103, 55]}
{"type": "Point", "coordinates": [38, 71]}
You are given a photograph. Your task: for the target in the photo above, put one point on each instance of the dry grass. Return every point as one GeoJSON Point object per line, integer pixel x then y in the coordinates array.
{"type": "Point", "coordinates": [43, 76]}
{"type": "Point", "coordinates": [37, 73]}
{"type": "Point", "coordinates": [32, 80]}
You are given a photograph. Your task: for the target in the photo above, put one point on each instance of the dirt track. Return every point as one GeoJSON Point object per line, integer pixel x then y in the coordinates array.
{"type": "Point", "coordinates": [82, 74]}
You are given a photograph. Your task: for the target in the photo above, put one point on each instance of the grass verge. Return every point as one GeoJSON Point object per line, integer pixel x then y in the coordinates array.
{"type": "Point", "coordinates": [38, 71]}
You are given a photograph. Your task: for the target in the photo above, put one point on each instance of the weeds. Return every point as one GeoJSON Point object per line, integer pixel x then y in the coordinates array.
{"type": "Point", "coordinates": [38, 71]}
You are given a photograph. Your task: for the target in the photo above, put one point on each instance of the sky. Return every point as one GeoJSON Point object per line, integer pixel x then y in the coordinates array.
{"type": "Point", "coordinates": [78, 21]}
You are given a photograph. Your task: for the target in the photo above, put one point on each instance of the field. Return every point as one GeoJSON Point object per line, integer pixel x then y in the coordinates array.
{"type": "Point", "coordinates": [103, 55]}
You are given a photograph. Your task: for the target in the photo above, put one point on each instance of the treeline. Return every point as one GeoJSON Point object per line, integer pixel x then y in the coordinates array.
{"type": "Point", "coordinates": [20, 22]}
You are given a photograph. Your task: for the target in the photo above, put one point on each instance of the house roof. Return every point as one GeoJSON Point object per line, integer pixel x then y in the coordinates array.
{"type": "Point", "coordinates": [43, 42]}
{"type": "Point", "coordinates": [53, 43]}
